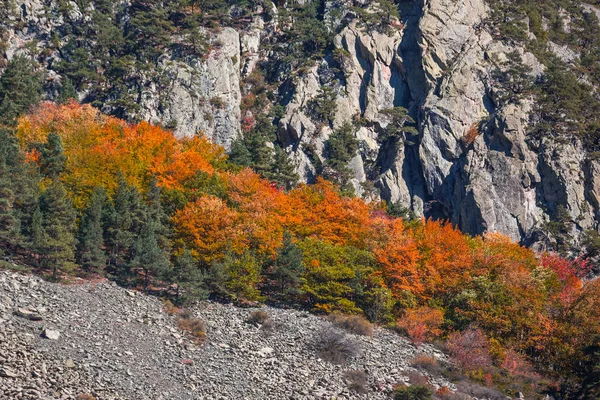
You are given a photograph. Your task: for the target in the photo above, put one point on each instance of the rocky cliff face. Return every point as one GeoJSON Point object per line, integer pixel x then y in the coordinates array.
{"type": "Point", "coordinates": [202, 95]}
{"type": "Point", "coordinates": [473, 160]}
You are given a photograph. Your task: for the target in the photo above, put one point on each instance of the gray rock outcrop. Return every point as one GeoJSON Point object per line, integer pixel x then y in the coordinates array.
{"type": "Point", "coordinates": [202, 96]}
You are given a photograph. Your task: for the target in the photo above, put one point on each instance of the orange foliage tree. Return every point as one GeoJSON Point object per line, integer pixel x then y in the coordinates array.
{"type": "Point", "coordinates": [422, 324]}
{"type": "Point", "coordinates": [210, 228]}
{"type": "Point", "coordinates": [99, 147]}
{"type": "Point", "coordinates": [445, 259]}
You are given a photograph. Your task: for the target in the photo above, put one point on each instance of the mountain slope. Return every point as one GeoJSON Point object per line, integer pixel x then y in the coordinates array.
{"type": "Point", "coordinates": [119, 344]}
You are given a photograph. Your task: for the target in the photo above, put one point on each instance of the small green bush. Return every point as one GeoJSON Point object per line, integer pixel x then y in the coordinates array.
{"type": "Point", "coordinates": [413, 392]}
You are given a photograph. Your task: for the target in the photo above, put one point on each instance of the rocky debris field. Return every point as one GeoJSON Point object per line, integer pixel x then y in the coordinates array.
{"type": "Point", "coordinates": [97, 339]}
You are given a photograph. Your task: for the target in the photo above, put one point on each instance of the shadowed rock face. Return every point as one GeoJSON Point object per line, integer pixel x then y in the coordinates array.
{"type": "Point", "coordinates": [438, 63]}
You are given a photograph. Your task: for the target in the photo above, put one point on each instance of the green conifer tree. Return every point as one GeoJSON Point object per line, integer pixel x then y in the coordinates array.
{"type": "Point", "coordinates": [239, 153]}
{"type": "Point", "coordinates": [256, 142]}
{"type": "Point", "coordinates": [288, 269]}
{"type": "Point", "coordinates": [148, 30]}
{"type": "Point", "coordinates": [123, 220]}
{"type": "Point", "coordinates": [20, 88]}
{"type": "Point", "coordinates": [157, 214]}
{"type": "Point", "coordinates": [147, 254]}
{"type": "Point", "coordinates": [282, 170]}
{"type": "Point", "coordinates": [8, 219]}
{"type": "Point", "coordinates": [189, 278]}
{"type": "Point", "coordinates": [400, 124]}
{"type": "Point", "coordinates": [58, 222]}
{"type": "Point", "coordinates": [20, 182]}
{"type": "Point", "coordinates": [340, 148]}
{"type": "Point", "coordinates": [90, 248]}
{"type": "Point", "coordinates": [37, 237]}
{"type": "Point", "coordinates": [53, 161]}
{"type": "Point", "coordinates": [67, 91]}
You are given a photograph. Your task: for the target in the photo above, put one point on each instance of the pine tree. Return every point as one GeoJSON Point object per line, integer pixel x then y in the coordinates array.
{"type": "Point", "coordinates": [217, 277]}
{"type": "Point", "coordinates": [152, 247]}
{"type": "Point", "coordinates": [37, 237]}
{"type": "Point", "coordinates": [8, 219]}
{"type": "Point", "coordinates": [340, 148]}
{"type": "Point", "coordinates": [196, 43]}
{"type": "Point", "coordinates": [122, 220]}
{"type": "Point", "coordinates": [148, 30]}
{"type": "Point", "coordinates": [256, 143]}
{"type": "Point", "coordinates": [239, 153]}
{"type": "Point", "coordinates": [189, 278]}
{"type": "Point", "coordinates": [53, 161]}
{"type": "Point", "coordinates": [67, 91]}
{"type": "Point", "coordinates": [157, 214]}
{"type": "Point", "coordinates": [20, 88]}
{"type": "Point", "coordinates": [400, 124]}
{"type": "Point", "coordinates": [58, 221]}
{"type": "Point", "coordinates": [282, 171]}
{"type": "Point", "coordinates": [288, 269]}
{"type": "Point", "coordinates": [148, 255]}
{"type": "Point", "coordinates": [20, 193]}
{"type": "Point", "coordinates": [90, 248]}
{"type": "Point", "coordinates": [20, 181]}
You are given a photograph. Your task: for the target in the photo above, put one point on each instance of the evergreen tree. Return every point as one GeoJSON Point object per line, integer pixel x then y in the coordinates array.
{"type": "Point", "coordinates": [19, 198]}
{"type": "Point", "coordinates": [288, 269]}
{"type": "Point", "coordinates": [123, 220]}
{"type": "Point", "coordinates": [90, 248]}
{"type": "Point", "coordinates": [189, 278]}
{"type": "Point", "coordinates": [256, 142]}
{"type": "Point", "coordinates": [148, 30]}
{"type": "Point", "coordinates": [239, 153]}
{"type": "Point", "coordinates": [323, 106]}
{"type": "Point", "coordinates": [399, 211]}
{"type": "Point", "coordinates": [195, 41]}
{"type": "Point", "coordinates": [53, 159]}
{"type": "Point", "coordinates": [340, 148]}
{"type": "Point", "coordinates": [67, 91]}
{"type": "Point", "coordinates": [282, 170]}
{"type": "Point", "coordinates": [20, 88]}
{"type": "Point", "coordinates": [217, 277]}
{"type": "Point", "coordinates": [159, 217]}
{"type": "Point", "coordinates": [58, 222]}
{"type": "Point", "coordinates": [148, 255]}
{"type": "Point", "coordinates": [8, 219]}
{"type": "Point", "coordinates": [37, 235]}
{"type": "Point", "coordinates": [400, 124]}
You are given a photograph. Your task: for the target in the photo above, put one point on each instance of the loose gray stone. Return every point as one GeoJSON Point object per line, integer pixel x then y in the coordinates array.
{"type": "Point", "coordinates": [28, 314]}
{"type": "Point", "coordinates": [51, 334]}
